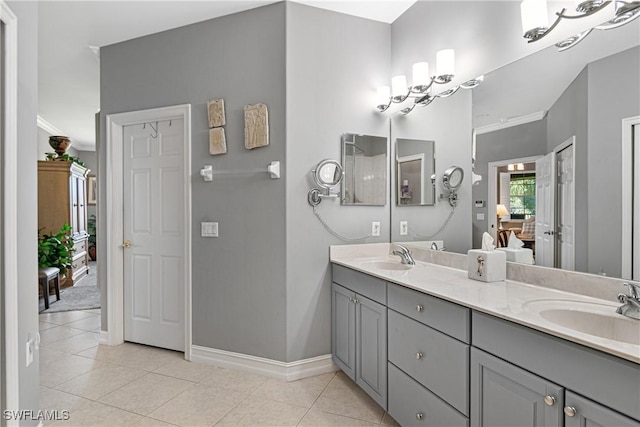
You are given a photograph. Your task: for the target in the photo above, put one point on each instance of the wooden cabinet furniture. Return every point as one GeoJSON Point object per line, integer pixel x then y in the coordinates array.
{"type": "Point", "coordinates": [359, 330]}
{"type": "Point", "coordinates": [62, 195]}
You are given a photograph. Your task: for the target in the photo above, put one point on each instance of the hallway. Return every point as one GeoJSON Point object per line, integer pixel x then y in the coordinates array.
{"type": "Point", "coordinates": [133, 384]}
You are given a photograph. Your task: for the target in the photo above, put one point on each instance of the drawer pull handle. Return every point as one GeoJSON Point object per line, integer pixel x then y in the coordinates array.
{"type": "Point", "coordinates": [419, 307]}
{"type": "Point", "coordinates": [419, 355]}
{"type": "Point", "coordinates": [549, 400]}
{"type": "Point", "coordinates": [419, 416]}
{"type": "Point", "coordinates": [570, 411]}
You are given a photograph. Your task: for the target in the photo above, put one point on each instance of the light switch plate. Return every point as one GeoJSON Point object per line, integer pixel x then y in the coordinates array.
{"type": "Point", "coordinates": [480, 216]}
{"type": "Point", "coordinates": [404, 228]}
{"type": "Point", "coordinates": [209, 229]}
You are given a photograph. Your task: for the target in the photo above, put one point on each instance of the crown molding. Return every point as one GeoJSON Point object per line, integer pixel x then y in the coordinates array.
{"type": "Point", "coordinates": [512, 121]}
{"type": "Point", "coordinates": [48, 127]}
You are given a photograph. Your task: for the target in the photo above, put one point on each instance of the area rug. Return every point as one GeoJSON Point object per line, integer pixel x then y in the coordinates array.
{"type": "Point", "coordinates": [83, 296]}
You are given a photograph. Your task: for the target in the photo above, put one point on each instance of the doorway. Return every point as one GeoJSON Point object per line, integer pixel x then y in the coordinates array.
{"type": "Point", "coordinates": [113, 228]}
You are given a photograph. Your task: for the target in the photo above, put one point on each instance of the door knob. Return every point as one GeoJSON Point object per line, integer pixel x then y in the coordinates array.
{"type": "Point", "coordinates": [126, 244]}
{"type": "Point", "coordinates": [550, 232]}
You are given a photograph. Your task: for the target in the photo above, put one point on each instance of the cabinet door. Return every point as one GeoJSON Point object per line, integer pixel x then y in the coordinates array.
{"type": "Point", "coordinates": [343, 329]}
{"type": "Point", "coordinates": [73, 203]}
{"type": "Point", "coordinates": [503, 395]}
{"type": "Point", "coordinates": [581, 412]}
{"type": "Point", "coordinates": [81, 190]}
{"type": "Point", "coordinates": [371, 348]}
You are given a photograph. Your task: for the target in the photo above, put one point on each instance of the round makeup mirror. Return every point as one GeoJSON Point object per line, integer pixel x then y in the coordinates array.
{"type": "Point", "coordinates": [452, 178]}
{"type": "Point", "coordinates": [328, 173]}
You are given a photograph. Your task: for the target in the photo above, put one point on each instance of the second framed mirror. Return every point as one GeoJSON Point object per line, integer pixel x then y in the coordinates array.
{"type": "Point", "coordinates": [415, 172]}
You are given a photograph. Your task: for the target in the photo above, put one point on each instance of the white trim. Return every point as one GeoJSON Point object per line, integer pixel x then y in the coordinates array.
{"type": "Point", "coordinates": [511, 121]}
{"type": "Point", "coordinates": [492, 189]}
{"type": "Point", "coordinates": [570, 142]}
{"type": "Point", "coordinates": [113, 178]}
{"type": "Point", "coordinates": [48, 127]}
{"type": "Point", "coordinates": [627, 193]}
{"type": "Point", "coordinates": [11, 378]}
{"type": "Point", "coordinates": [285, 371]}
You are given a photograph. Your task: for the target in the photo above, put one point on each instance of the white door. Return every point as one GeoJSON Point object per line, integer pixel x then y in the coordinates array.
{"type": "Point", "coordinates": [154, 228]}
{"type": "Point", "coordinates": [545, 210]}
{"type": "Point", "coordinates": [565, 197]}
{"type": "Point", "coordinates": [636, 204]}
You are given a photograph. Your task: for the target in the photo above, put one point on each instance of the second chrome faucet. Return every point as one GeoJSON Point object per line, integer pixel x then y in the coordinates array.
{"type": "Point", "coordinates": [403, 252]}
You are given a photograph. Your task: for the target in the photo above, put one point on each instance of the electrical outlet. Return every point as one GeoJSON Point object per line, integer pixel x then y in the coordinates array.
{"type": "Point", "coordinates": [209, 229]}
{"type": "Point", "coordinates": [404, 228]}
{"type": "Point", "coordinates": [375, 228]}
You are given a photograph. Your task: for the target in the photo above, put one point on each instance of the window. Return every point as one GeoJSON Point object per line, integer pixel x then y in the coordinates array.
{"type": "Point", "coordinates": [522, 192]}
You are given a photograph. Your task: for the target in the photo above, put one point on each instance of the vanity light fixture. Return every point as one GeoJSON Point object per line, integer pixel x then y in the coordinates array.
{"type": "Point", "coordinates": [535, 21]}
{"type": "Point", "coordinates": [422, 90]}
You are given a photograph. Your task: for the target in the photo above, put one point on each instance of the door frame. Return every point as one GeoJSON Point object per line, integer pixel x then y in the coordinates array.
{"type": "Point", "coordinates": [569, 142]}
{"type": "Point", "coordinates": [492, 189]}
{"type": "Point", "coordinates": [627, 193]}
{"type": "Point", "coordinates": [114, 223]}
{"type": "Point", "coordinates": [10, 380]}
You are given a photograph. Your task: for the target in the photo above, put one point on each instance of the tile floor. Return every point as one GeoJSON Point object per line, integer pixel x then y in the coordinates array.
{"type": "Point", "coordinates": [134, 384]}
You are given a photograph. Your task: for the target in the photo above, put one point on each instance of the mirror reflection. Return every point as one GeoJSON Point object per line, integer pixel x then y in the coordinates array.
{"type": "Point", "coordinates": [556, 165]}
{"type": "Point", "coordinates": [364, 159]}
{"type": "Point", "coordinates": [415, 172]}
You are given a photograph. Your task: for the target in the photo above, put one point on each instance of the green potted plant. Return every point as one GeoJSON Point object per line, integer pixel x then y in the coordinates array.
{"type": "Point", "coordinates": [91, 229]}
{"type": "Point", "coordinates": [56, 250]}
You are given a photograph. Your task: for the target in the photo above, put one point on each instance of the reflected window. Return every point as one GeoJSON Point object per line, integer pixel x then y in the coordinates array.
{"type": "Point", "coordinates": [522, 196]}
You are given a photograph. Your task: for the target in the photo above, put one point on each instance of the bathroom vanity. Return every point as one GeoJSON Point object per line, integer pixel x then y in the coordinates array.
{"type": "Point", "coordinates": [435, 348]}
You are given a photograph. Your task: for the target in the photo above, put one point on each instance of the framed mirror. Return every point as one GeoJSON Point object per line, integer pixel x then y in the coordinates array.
{"type": "Point", "coordinates": [364, 159]}
{"type": "Point", "coordinates": [415, 172]}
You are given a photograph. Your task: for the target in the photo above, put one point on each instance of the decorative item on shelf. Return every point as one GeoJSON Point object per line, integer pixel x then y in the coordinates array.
{"type": "Point", "coordinates": [56, 250]}
{"type": "Point", "coordinates": [59, 143]}
{"type": "Point", "coordinates": [256, 126]}
{"type": "Point", "coordinates": [422, 91]}
{"type": "Point", "coordinates": [535, 18]}
{"type": "Point", "coordinates": [63, 158]}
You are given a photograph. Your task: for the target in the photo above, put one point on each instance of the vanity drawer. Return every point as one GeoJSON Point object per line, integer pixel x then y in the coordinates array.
{"type": "Point", "coordinates": [439, 314]}
{"type": "Point", "coordinates": [360, 283]}
{"type": "Point", "coordinates": [435, 360]}
{"type": "Point", "coordinates": [410, 404]}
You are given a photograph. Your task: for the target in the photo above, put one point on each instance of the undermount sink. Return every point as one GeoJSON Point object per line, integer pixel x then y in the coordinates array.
{"type": "Point", "coordinates": [388, 265]}
{"type": "Point", "coordinates": [595, 319]}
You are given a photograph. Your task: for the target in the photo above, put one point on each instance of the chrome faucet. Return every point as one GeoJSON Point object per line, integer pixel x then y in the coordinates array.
{"type": "Point", "coordinates": [403, 253]}
{"type": "Point", "coordinates": [630, 303]}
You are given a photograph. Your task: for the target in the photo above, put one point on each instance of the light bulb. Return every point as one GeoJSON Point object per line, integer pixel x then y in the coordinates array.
{"type": "Point", "coordinates": [421, 76]}
{"type": "Point", "coordinates": [535, 18]}
{"type": "Point", "coordinates": [383, 95]}
{"type": "Point", "coordinates": [446, 64]}
{"type": "Point", "coordinates": [399, 86]}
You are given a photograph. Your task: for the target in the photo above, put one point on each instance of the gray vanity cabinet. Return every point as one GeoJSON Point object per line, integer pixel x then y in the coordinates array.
{"type": "Point", "coordinates": [582, 412]}
{"type": "Point", "coordinates": [359, 340]}
{"type": "Point", "coordinates": [503, 395]}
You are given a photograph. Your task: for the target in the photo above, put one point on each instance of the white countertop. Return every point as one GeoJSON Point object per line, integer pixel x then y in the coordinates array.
{"type": "Point", "coordinates": [508, 299]}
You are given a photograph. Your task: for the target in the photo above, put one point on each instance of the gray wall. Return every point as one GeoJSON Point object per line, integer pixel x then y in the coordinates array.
{"type": "Point", "coordinates": [447, 121]}
{"type": "Point", "coordinates": [239, 277]}
{"type": "Point", "coordinates": [614, 94]}
{"type": "Point", "coordinates": [529, 139]}
{"type": "Point", "coordinates": [27, 226]}
{"type": "Point", "coordinates": [568, 116]}
{"type": "Point", "coordinates": [334, 63]}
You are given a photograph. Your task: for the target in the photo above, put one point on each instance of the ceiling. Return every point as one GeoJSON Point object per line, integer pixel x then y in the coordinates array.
{"type": "Point", "coordinates": [70, 33]}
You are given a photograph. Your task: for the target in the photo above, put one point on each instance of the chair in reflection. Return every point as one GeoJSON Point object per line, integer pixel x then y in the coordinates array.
{"type": "Point", "coordinates": [503, 238]}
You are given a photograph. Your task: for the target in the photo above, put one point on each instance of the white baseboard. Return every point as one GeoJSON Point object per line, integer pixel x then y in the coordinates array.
{"type": "Point", "coordinates": [105, 339]}
{"type": "Point", "coordinates": [286, 371]}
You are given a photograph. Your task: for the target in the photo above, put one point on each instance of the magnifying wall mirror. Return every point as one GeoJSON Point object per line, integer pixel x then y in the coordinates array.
{"type": "Point", "coordinates": [415, 169]}
{"type": "Point", "coordinates": [364, 158]}
{"type": "Point", "coordinates": [327, 174]}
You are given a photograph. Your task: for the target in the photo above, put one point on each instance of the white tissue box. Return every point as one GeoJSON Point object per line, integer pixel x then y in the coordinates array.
{"type": "Point", "coordinates": [487, 266]}
{"type": "Point", "coordinates": [520, 255]}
